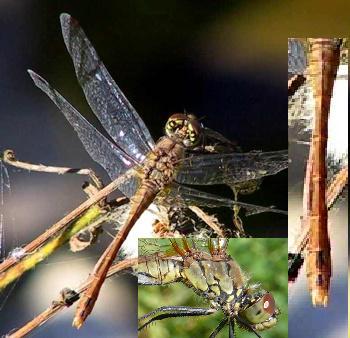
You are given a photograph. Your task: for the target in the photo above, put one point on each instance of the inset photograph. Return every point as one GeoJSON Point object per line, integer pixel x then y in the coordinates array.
{"type": "Point", "coordinates": [212, 288]}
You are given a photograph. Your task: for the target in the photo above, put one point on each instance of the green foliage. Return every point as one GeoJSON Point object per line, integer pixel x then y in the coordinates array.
{"type": "Point", "coordinates": [263, 260]}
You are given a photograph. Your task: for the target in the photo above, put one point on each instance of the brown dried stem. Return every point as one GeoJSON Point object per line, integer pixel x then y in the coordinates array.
{"type": "Point", "coordinates": [10, 158]}
{"type": "Point", "coordinates": [61, 224]}
{"type": "Point", "coordinates": [59, 304]}
{"type": "Point", "coordinates": [210, 220]}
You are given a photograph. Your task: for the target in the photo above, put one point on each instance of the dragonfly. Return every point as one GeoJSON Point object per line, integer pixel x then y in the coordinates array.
{"type": "Point", "coordinates": [206, 268]}
{"type": "Point", "coordinates": [159, 172]}
{"type": "Point", "coordinates": [312, 68]}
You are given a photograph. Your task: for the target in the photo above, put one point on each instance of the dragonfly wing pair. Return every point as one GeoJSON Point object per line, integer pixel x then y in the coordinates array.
{"type": "Point", "coordinates": [131, 141]}
{"type": "Point", "coordinates": [111, 157]}
{"type": "Point", "coordinates": [106, 100]}
{"type": "Point", "coordinates": [184, 196]}
{"type": "Point", "coordinates": [231, 168]}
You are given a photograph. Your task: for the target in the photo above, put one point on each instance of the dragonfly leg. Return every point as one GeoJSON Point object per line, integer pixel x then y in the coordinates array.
{"type": "Point", "coordinates": [10, 158]}
{"type": "Point", "coordinates": [237, 221]}
{"type": "Point", "coordinates": [231, 327]}
{"type": "Point", "coordinates": [294, 83]}
{"type": "Point", "coordinates": [247, 325]}
{"type": "Point", "coordinates": [221, 325]}
{"type": "Point", "coordinates": [172, 312]}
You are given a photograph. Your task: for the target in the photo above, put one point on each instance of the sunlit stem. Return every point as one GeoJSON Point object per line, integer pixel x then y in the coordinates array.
{"type": "Point", "coordinates": [61, 225]}
{"type": "Point", "coordinates": [32, 259]}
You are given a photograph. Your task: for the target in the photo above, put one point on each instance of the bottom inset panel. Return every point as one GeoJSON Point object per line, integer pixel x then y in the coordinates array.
{"type": "Point", "coordinates": [213, 288]}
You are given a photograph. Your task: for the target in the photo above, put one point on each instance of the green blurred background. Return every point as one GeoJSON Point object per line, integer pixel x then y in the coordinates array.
{"type": "Point", "coordinates": [264, 260]}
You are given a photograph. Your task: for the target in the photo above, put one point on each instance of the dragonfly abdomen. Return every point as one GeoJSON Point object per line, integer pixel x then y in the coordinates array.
{"type": "Point", "coordinates": [323, 65]}
{"type": "Point", "coordinates": [159, 271]}
{"type": "Point", "coordinates": [319, 272]}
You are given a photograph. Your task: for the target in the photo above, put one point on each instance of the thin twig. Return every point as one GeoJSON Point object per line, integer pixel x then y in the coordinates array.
{"type": "Point", "coordinates": [10, 158]}
{"type": "Point", "coordinates": [59, 304]}
{"type": "Point", "coordinates": [210, 220]}
{"type": "Point", "coordinates": [61, 224]}
{"type": "Point", "coordinates": [93, 216]}
{"type": "Point", "coordinates": [337, 186]}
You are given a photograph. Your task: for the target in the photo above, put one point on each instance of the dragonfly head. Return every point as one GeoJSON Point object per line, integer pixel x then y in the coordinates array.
{"type": "Point", "coordinates": [261, 313]}
{"type": "Point", "coordinates": [184, 128]}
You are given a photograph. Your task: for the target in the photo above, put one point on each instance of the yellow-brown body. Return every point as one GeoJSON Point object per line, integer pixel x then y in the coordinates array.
{"type": "Point", "coordinates": [213, 275]}
{"type": "Point", "coordinates": [323, 65]}
{"type": "Point", "coordinates": [157, 172]}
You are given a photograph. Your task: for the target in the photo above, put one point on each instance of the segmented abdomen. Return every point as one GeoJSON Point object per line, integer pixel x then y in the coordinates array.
{"type": "Point", "coordinates": [323, 65]}
{"type": "Point", "coordinates": [158, 270]}
{"type": "Point", "coordinates": [207, 277]}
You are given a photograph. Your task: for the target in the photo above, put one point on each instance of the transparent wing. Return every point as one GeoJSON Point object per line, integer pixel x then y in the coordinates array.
{"type": "Point", "coordinates": [182, 196]}
{"type": "Point", "coordinates": [151, 247]}
{"type": "Point", "coordinates": [114, 160]}
{"type": "Point", "coordinates": [107, 101]}
{"type": "Point", "coordinates": [297, 59]}
{"type": "Point", "coordinates": [217, 142]}
{"type": "Point", "coordinates": [231, 168]}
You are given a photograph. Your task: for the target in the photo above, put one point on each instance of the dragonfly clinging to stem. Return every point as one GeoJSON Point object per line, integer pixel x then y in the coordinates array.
{"type": "Point", "coordinates": [157, 173]}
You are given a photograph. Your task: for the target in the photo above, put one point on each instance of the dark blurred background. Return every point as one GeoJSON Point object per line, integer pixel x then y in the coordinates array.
{"type": "Point", "coordinates": [225, 61]}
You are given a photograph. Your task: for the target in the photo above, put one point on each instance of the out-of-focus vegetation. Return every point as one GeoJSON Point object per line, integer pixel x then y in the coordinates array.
{"type": "Point", "coordinates": [264, 260]}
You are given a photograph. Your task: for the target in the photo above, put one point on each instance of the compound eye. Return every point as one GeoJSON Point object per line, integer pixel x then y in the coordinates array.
{"type": "Point", "coordinates": [261, 310]}
{"type": "Point", "coordinates": [170, 127]}
{"type": "Point", "coordinates": [269, 304]}
{"type": "Point", "coordinates": [192, 137]}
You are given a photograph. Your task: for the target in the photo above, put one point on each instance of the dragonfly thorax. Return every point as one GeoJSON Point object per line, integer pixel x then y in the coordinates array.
{"type": "Point", "coordinates": [223, 285]}
{"type": "Point", "coordinates": [160, 165]}
{"type": "Point", "coordinates": [184, 129]}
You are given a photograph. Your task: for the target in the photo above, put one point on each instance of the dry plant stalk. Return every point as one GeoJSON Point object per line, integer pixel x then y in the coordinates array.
{"type": "Point", "coordinates": [10, 158]}
{"type": "Point", "coordinates": [61, 224]}
{"type": "Point", "coordinates": [209, 219]}
{"type": "Point", "coordinates": [60, 304]}
{"type": "Point", "coordinates": [12, 269]}
{"type": "Point", "coordinates": [83, 215]}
